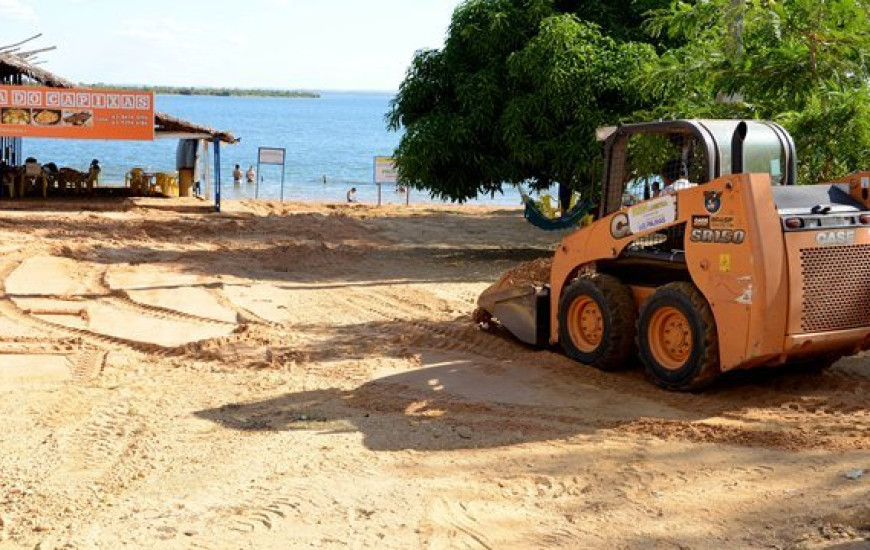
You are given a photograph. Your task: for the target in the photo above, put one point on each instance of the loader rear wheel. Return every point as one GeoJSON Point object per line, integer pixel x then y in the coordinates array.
{"type": "Point", "coordinates": [677, 338]}
{"type": "Point", "coordinates": [597, 321]}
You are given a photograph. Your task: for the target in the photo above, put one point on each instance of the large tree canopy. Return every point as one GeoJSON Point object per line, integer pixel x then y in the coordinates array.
{"type": "Point", "coordinates": [520, 86]}
{"type": "Point", "coordinates": [802, 63]}
{"type": "Point", "coordinates": [517, 92]}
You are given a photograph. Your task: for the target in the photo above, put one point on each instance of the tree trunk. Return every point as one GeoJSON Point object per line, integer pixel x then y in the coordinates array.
{"type": "Point", "coordinates": [735, 28]}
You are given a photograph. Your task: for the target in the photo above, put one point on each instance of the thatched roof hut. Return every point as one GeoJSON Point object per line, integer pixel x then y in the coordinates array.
{"type": "Point", "coordinates": [18, 68]}
{"type": "Point", "coordinates": [13, 66]}
{"type": "Point", "coordinates": [168, 124]}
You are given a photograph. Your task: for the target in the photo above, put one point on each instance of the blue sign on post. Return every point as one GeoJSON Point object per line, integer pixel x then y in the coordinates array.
{"type": "Point", "coordinates": [217, 174]}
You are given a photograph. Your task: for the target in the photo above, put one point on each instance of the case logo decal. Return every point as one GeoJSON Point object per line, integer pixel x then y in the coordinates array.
{"type": "Point", "coordinates": [827, 238]}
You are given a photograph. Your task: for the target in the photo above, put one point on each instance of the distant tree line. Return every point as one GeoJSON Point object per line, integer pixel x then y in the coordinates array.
{"type": "Point", "coordinates": [222, 92]}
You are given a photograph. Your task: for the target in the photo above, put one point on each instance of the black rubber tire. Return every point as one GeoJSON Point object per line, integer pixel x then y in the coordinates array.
{"type": "Point", "coordinates": [619, 315]}
{"type": "Point", "coordinates": [702, 367]}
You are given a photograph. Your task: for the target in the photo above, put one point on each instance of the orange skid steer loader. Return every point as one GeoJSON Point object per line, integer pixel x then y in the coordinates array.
{"type": "Point", "coordinates": [726, 265]}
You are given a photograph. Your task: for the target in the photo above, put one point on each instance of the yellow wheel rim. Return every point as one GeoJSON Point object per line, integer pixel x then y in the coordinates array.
{"type": "Point", "coordinates": [670, 338]}
{"type": "Point", "coordinates": [585, 324]}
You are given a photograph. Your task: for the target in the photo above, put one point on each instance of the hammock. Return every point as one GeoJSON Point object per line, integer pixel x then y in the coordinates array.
{"type": "Point", "coordinates": [569, 219]}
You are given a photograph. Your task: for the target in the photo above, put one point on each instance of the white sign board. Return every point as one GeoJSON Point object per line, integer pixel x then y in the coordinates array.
{"type": "Point", "coordinates": [270, 155]}
{"type": "Point", "coordinates": [652, 213]}
{"type": "Point", "coordinates": [385, 170]}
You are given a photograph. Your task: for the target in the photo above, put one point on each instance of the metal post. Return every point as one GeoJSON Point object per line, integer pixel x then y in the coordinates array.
{"type": "Point", "coordinates": [407, 196]}
{"type": "Point", "coordinates": [259, 177]}
{"type": "Point", "coordinates": [282, 179]}
{"type": "Point", "coordinates": [207, 177]}
{"type": "Point", "coordinates": [217, 174]}
{"type": "Point", "coordinates": [379, 194]}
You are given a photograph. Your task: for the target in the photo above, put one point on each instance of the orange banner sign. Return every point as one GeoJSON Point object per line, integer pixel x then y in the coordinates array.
{"type": "Point", "coordinates": [76, 113]}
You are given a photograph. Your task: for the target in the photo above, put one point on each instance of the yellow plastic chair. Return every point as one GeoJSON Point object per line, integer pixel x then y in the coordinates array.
{"type": "Point", "coordinates": [172, 185]}
{"type": "Point", "coordinates": [547, 207]}
{"type": "Point", "coordinates": [137, 181]}
{"type": "Point", "coordinates": [158, 186]}
{"type": "Point", "coordinates": [131, 177]}
{"type": "Point", "coordinates": [165, 184]}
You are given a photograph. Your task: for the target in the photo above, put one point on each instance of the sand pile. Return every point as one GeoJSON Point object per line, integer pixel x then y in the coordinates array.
{"type": "Point", "coordinates": [535, 272]}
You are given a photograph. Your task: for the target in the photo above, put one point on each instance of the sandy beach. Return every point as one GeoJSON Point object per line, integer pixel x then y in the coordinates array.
{"type": "Point", "coordinates": [308, 375]}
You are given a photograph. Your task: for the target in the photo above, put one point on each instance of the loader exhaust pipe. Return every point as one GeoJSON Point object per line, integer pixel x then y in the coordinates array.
{"type": "Point", "coordinates": [737, 148]}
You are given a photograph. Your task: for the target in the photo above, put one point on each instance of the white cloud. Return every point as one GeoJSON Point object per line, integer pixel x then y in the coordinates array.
{"type": "Point", "coordinates": [164, 31]}
{"type": "Point", "coordinates": [15, 9]}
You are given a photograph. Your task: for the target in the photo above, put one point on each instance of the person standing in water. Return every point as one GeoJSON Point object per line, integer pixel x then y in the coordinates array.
{"type": "Point", "coordinates": [251, 174]}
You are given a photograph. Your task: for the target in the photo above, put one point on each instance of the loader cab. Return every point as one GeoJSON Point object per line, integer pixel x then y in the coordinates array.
{"type": "Point", "coordinates": [638, 156]}
{"type": "Point", "coordinates": [643, 159]}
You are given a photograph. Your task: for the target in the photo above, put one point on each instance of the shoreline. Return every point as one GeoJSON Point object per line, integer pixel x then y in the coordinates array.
{"type": "Point", "coordinates": [296, 206]}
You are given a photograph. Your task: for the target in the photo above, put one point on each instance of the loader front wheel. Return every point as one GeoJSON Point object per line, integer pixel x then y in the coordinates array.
{"type": "Point", "coordinates": [597, 321]}
{"type": "Point", "coordinates": [677, 338]}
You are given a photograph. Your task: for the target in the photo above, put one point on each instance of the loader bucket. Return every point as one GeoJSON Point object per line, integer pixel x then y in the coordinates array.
{"type": "Point", "coordinates": [523, 311]}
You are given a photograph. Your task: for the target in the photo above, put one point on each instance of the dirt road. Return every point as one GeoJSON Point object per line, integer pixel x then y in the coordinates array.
{"type": "Point", "coordinates": [308, 376]}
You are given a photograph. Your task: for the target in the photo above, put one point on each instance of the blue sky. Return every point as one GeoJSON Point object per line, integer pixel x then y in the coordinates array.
{"type": "Point", "coordinates": [287, 44]}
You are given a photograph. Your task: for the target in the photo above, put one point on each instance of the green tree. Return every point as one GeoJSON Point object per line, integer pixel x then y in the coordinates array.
{"type": "Point", "coordinates": [517, 92]}
{"type": "Point", "coordinates": [800, 62]}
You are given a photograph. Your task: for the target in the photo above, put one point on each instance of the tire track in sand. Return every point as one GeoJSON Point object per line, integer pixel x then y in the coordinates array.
{"type": "Point", "coordinates": [122, 300]}
{"type": "Point", "coordinates": [263, 507]}
{"type": "Point", "coordinates": [449, 525]}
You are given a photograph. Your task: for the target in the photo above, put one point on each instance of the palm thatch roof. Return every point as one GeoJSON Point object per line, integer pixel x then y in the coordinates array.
{"type": "Point", "coordinates": [13, 63]}
{"type": "Point", "coordinates": [164, 123]}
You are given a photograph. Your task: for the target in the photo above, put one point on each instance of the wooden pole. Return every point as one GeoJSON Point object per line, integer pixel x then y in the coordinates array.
{"type": "Point", "coordinates": [25, 41]}
{"type": "Point", "coordinates": [31, 53]}
{"type": "Point", "coordinates": [207, 170]}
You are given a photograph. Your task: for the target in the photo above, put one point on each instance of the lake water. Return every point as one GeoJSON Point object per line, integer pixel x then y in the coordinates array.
{"type": "Point", "coordinates": [334, 137]}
